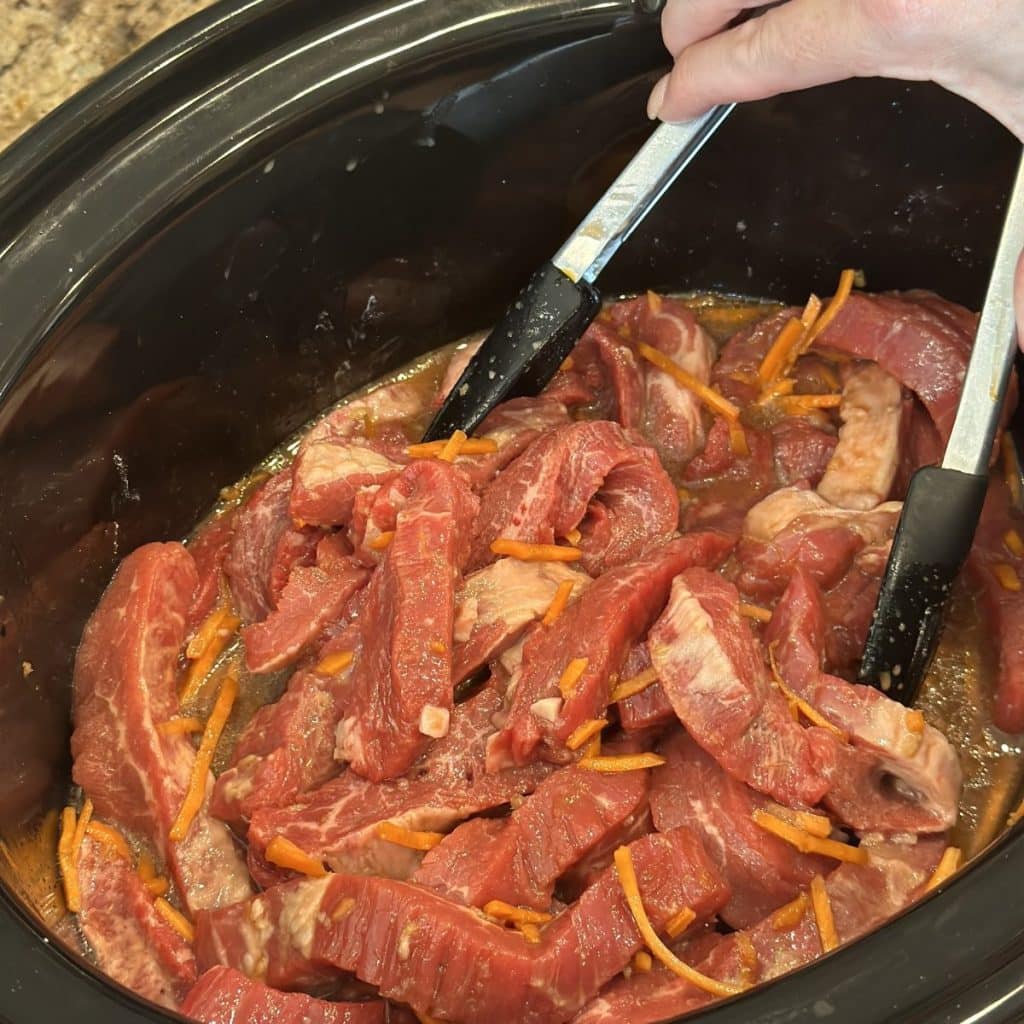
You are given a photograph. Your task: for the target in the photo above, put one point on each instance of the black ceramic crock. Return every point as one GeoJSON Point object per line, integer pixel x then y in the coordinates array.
{"type": "Point", "coordinates": [282, 199]}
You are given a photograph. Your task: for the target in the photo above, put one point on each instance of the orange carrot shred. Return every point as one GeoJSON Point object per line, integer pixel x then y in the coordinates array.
{"type": "Point", "coordinates": [612, 763]}
{"type": "Point", "coordinates": [1014, 543]}
{"type": "Point", "coordinates": [110, 837]}
{"type": "Point", "coordinates": [823, 915]}
{"type": "Point", "coordinates": [157, 886]}
{"type": "Point", "coordinates": [408, 838]}
{"type": "Point", "coordinates": [805, 842]}
{"type": "Point", "coordinates": [283, 853]}
{"type": "Point", "coordinates": [584, 732]}
{"type": "Point", "coordinates": [453, 446]}
{"type": "Point", "coordinates": [711, 398]}
{"type": "Point", "coordinates": [196, 792]}
{"type": "Point", "coordinates": [213, 635]}
{"type": "Point", "coordinates": [679, 922]}
{"type": "Point", "coordinates": [175, 918]}
{"type": "Point", "coordinates": [331, 664]}
{"type": "Point", "coordinates": [789, 916]}
{"type": "Point", "coordinates": [519, 915]}
{"type": "Point", "coordinates": [175, 726]}
{"type": "Point", "coordinates": [571, 675]}
{"type": "Point", "coordinates": [68, 869]}
{"type": "Point", "coordinates": [631, 888]}
{"type": "Point", "coordinates": [525, 552]}
{"type": "Point", "coordinates": [470, 446]}
{"type": "Point", "coordinates": [755, 611]}
{"type": "Point", "coordinates": [631, 687]}
{"type": "Point", "coordinates": [948, 864]}
{"type": "Point", "coordinates": [558, 602]}
{"type": "Point", "coordinates": [382, 540]}
{"type": "Point", "coordinates": [1007, 576]}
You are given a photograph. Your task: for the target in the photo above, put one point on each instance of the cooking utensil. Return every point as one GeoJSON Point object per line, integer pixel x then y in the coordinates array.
{"type": "Point", "coordinates": [522, 353]}
{"type": "Point", "coordinates": [940, 514]}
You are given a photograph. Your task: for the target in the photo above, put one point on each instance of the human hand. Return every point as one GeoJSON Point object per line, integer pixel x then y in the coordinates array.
{"type": "Point", "coordinates": [972, 47]}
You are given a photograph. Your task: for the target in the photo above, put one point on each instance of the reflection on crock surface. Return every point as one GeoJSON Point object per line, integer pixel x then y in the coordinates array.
{"type": "Point", "coordinates": [489, 673]}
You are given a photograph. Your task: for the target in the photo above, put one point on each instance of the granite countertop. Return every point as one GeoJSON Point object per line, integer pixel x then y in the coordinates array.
{"type": "Point", "coordinates": [51, 48]}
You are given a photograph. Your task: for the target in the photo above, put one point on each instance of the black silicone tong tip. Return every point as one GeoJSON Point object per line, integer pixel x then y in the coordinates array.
{"type": "Point", "coordinates": [932, 541]}
{"type": "Point", "coordinates": [522, 353]}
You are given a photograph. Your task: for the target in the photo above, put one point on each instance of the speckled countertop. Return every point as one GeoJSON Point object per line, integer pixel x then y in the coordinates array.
{"type": "Point", "coordinates": [51, 48]}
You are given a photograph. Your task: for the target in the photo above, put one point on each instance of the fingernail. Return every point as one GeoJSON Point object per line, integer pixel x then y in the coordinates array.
{"type": "Point", "coordinates": [655, 103]}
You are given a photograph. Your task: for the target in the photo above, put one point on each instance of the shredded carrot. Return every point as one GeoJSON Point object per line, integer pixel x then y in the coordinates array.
{"type": "Point", "coordinates": [711, 398]}
{"type": "Point", "coordinates": [584, 732]}
{"type": "Point", "coordinates": [684, 494]}
{"type": "Point", "coordinates": [558, 602]}
{"type": "Point", "coordinates": [453, 446]}
{"type": "Point", "coordinates": [175, 918]}
{"type": "Point", "coordinates": [196, 792]}
{"type": "Point", "coordinates": [393, 833]}
{"type": "Point", "coordinates": [788, 917]}
{"type": "Point", "coordinates": [1014, 543]}
{"type": "Point", "coordinates": [206, 646]}
{"type": "Point", "coordinates": [110, 837]}
{"type": "Point", "coordinates": [146, 869]}
{"type": "Point", "coordinates": [530, 932]}
{"type": "Point", "coordinates": [738, 439]}
{"type": "Point", "coordinates": [811, 311]}
{"type": "Point", "coordinates": [631, 888]}
{"type": "Point", "coordinates": [805, 842]}
{"type": "Point", "coordinates": [470, 446]}
{"type": "Point", "coordinates": [823, 915]}
{"type": "Point", "coordinates": [798, 704]}
{"type": "Point", "coordinates": [612, 763]}
{"type": "Point", "coordinates": [755, 611]}
{"type": "Point", "coordinates": [283, 853]}
{"type": "Point", "coordinates": [948, 864]}
{"type": "Point", "coordinates": [82, 824]}
{"type": "Point", "coordinates": [331, 664]}
{"type": "Point", "coordinates": [797, 405]}
{"type": "Point", "coordinates": [68, 868]}
{"type": "Point", "coordinates": [750, 963]}
{"type": "Point", "coordinates": [653, 302]}
{"type": "Point", "coordinates": [836, 303]}
{"type": "Point", "coordinates": [783, 351]}
{"type": "Point", "coordinates": [535, 552]}
{"type": "Point", "coordinates": [157, 886]}
{"type": "Point", "coordinates": [817, 824]}
{"type": "Point", "coordinates": [631, 687]}
{"type": "Point", "coordinates": [567, 363]}
{"type": "Point", "coordinates": [679, 922]}
{"type": "Point", "coordinates": [574, 537]}
{"type": "Point", "coordinates": [571, 675]}
{"type": "Point", "coordinates": [915, 721]}
{"type": "Point", "coordinates": [1007, 576]}
{"type": "Point", "coordinates": [642, 962]}
{"type": "Point", "coordinates": [1011, 468]}
{"type": "Point", "coordinates": [175, 726]}
{"type": "Point", "coordinates": [343, 909]}
{"type": "Point", "coordinates": [518, 915]}
{"type": "Point", "coordinates": [593, 748]}
{"type": "Point", "coordinates": [438, 647]}
{"type": "Point", "coordinates": [382, 540]}
{"type": "Point", "coordinates": [828, 375]}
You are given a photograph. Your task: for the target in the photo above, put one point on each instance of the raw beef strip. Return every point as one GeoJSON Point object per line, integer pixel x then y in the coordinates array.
{"type": "Point", "coordinates": [400, 688]}
{"type": "Point", "coordinates": [795, 527]}
{"type": "Point", "coordinates": [672, 414]}
{"type": "Point", "coordinates": [129, 939]}
{"type": "Point", "coordinates": [849, 607]}
{"type": "Point", "coordinates": [761, 870]}
{"type": "Point", "coordinates": [124, 686]}
{"type": "Point", "coordinates": [862, 897]}
{"type": "Point", "coordinates": [264, 548]}
{"type": "Point", "coordinates": [587, 475]}
{"type": "Point", "coordinates": [862, 469]}
{"type": "Point", "coordinates": [208, 548]}
{"type": "Point", "coordinates": [357, 446]}
{"type": "Point", "coordinates": [649, 707]}
{"type": "Point", "coordinates": [601, 626]}
{"type": "Point", "coordinates": [313, 598]}
{"type": "Point", "coordinates": [1004, 610]}
{"type": "Point", "coordinates": [801, 450]}
{"type": "Point", "coordinates": [519, 859]}
{"type": "Point", "coordinates": [495, 604]}
{"type": "Point", "coordinates": [443, 959]}
{"type": "Point", "coordinates": [287, 747]}
{"type": "Point", "coordinates": [337, 823]}
{"type": "Point", "coordinates": [226, 996]}
{"type": "Point", "coordinates": [712, 671]}
{"type": "Point", "coordinates": [922, 340]}
{"type": "Point", "coordinates": [902, 775]}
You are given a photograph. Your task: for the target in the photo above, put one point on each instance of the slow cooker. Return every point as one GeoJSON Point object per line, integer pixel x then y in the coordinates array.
{"type": "Point", "coordinates": [282, 199]}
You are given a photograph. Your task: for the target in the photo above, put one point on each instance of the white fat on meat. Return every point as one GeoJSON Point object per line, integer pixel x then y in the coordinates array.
{"type": "Point", "coordinates": [807, 510]}
{"type": "Point", "coordinates": [323, 464]}
{"type": "Point", "coordinates": [511, 592]}
{"type": "Point", "coordinates": [863, 466]}
{"type": "Point", "coordinates": [434, 721]}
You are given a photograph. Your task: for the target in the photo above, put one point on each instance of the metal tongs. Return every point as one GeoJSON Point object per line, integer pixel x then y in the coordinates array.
{"type": "Point", "coordinates": [522, 353]}
{"type": "Point", "coordinates": [940, 514]}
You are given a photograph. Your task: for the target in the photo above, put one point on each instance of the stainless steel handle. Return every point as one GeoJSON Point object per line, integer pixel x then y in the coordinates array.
{"type": "Point", "coordinates": [633, 193]}
{"type": "Point", "coordinates": [984, 388]}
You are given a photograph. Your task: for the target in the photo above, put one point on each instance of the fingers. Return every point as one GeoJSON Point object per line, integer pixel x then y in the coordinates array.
{"type": "Point", "coordinates": [684, 22]}
{"type": "Point", "coordinates": [794, 46]}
